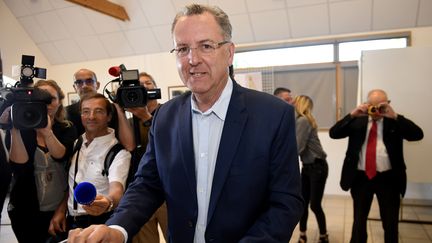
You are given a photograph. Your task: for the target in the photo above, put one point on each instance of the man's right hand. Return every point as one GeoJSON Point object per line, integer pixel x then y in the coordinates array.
{"type": "Point", "coordinates": [360, 110]}
{"type": "Point", "coordinates": [95, 234]}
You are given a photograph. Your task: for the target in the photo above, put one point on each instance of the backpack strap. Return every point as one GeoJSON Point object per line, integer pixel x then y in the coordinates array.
{"type": "Point", "coordinates": [78, 145]}
{"type": "Point", "coordinates": [110, 157]}
{"type": "Point", "coordinates": [76, 150]}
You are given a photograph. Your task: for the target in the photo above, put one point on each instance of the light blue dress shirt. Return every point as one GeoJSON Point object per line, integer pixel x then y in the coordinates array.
{"type": "Point", "coordinates": [207, 131]}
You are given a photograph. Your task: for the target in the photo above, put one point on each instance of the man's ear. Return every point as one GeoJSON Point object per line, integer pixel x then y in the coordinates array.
{"type": "Point", "coordinates": [97, 85]}
{"type": "Point", "coordinates": [74, 86]}
{"type": "Point", "coordinates": [231, 51]}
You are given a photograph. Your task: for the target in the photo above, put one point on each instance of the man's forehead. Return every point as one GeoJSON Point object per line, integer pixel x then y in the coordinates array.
{"type": "Point", "coordinates": [377, 97]}
{"type": "Point", "coordinates": [93, 103]}
{"type": "Point", "coordinates": [83, 74]}
{"type": "Point", "coordinates": [144, 79]}
{"type": "Point", "coordinates": [203, 26]}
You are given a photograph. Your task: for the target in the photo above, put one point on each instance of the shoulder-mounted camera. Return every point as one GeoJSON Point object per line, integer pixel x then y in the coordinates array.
{"type": "Point", "coordinates": [28, 104]}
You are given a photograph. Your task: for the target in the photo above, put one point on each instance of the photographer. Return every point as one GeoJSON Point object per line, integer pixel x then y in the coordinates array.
{"type": "Point", "coordinates": [86, 82]}
{"type": "Point", "coordinates": [149, 232]}
{"type": "Point", "coordinates": [374, 162]}
{"type": "Point", "coordinates": [38, 158]}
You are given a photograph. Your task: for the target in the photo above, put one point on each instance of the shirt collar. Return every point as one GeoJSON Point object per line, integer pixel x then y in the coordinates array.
{"type": "Point", "coordinates": [101, 139]}
{"type": "Point", "coordinates": [220, 107]}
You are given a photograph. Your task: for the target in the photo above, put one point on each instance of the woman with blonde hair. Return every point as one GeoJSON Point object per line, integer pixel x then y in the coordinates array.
{"type": "Point", "coordinates": [315, 169]}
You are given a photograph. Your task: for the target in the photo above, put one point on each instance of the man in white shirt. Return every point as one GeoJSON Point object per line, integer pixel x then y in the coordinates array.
{"type": "Point", "coordinates": [87, 165]}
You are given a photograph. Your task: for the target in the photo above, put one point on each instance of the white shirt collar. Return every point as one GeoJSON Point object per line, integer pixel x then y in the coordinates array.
{"type": "Point", "coordinates": [220, 107]}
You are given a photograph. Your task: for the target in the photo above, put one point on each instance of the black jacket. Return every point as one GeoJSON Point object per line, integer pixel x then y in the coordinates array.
{"type": "Point", "coordinates": [394, 132]}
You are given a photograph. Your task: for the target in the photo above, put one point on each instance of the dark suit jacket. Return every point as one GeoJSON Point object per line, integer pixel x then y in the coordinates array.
{"type": "Point", "coordinates": [394, 131]}
{"type": "Point", "coordinates": [255, 195]}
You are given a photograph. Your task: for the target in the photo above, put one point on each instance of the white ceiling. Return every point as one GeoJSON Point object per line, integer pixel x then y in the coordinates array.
{"type": "Point", "coordinates": [68, 33]}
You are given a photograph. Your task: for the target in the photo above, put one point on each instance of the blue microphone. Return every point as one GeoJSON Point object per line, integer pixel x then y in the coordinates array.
{"type": "Point", "coordinates": [85, 193]}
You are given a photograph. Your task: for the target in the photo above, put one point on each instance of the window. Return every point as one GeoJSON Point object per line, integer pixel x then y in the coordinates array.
{"type": "Point", "coordinates": [350, 51]}
{"type": "Point", "coordinates": [284, 56]}
{"type": "Point", "coordinates": [328, 73]}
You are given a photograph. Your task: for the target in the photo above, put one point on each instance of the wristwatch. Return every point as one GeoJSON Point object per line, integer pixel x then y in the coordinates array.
{"type": "Point", "coordinates": [148, 122]}
{"type": "Point", "coordinates": [111, 205]}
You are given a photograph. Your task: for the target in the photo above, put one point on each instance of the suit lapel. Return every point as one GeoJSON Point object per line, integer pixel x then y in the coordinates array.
{"type": "Point", "coordinates": [185, 141]}
{"type": "Point", "coordinates": [233, 128]}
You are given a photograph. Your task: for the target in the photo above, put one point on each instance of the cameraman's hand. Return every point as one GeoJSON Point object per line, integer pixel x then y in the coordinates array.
{"type": "Point", "coordinates": [5, 116]}
{"type": "Point", "coordinates": [46, 131]}
{"type": "Point", "coordinates": [58, 223]}
{"type": "Point", "coordinates": [388, 111]}
{"type": "Point", "coordinates": [141, 112]}
{"type": "Point", "coordinates": [360, 110]}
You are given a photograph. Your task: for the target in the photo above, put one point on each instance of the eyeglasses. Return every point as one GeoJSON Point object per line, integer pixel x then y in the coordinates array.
{"type": "Point", "coordinates": [81, 82]}
{"type": "Point", "coordinates": [207, 47]}
{"type": "Point", "coordinates": [96, 112]}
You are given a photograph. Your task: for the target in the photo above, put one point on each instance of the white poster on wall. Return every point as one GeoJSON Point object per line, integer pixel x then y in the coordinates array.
{"type": "Point", "coordinates": [250, 80]}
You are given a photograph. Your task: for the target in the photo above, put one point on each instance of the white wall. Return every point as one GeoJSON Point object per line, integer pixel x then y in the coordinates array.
{"type": "Point", "coordinates": [14, 42]}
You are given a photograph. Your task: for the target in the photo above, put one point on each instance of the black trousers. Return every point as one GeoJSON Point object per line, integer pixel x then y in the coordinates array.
{"type": "Point", "coordinates": [5, 179]}
{"type": "Point", "coordinates": [388, 195]}
{"type": "Point", "coordinates": [313, 178]}
{"type": "Point", "coordinates": [30, 227]}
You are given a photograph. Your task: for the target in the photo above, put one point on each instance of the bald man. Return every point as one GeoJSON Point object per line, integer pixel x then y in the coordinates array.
{"type": "Point", "coordinates": [85, 82]}
{"type": "Point", "coordinates": [374, 162]}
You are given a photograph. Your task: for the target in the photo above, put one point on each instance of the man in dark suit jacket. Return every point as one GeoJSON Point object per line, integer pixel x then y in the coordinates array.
{"type": "Point", "coordinates": [85, 83]}
{"type": "Point", "coordinates": [223, 157]}
{"type": "Point", "coordinates": [388, 181]}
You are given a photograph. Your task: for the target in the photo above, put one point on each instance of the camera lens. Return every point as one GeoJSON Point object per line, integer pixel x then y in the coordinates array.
{"type": "Point", "coordinates": [29, 115]}
{"type": "Point", "coordinates": [132, 96]}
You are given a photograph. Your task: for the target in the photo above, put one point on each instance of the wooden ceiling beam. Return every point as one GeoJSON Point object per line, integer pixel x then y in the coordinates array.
{"type": "Point", "coordinates": [105, 7]}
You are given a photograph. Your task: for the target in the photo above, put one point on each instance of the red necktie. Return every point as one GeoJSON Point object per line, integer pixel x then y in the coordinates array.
{"type": "Point", "coordinates": [371, 152]}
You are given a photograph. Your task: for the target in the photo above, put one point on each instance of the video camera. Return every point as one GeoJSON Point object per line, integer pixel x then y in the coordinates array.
{"type": "Point", "coordinates": [130, 93]}
{"type": "Point", "coordinates": [28, 104]}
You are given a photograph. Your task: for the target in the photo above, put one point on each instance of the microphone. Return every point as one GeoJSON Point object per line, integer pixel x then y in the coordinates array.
{"type": "Point", "coordinates": [85, 193]}
{"type": "Point", "coordinates": [116, 70]}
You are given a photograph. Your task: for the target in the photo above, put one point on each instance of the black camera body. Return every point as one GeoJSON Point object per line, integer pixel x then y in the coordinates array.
{"type": "Point", "coordinates": [131, 94]}
{"type": "Point", "coordinates": [28, 104]}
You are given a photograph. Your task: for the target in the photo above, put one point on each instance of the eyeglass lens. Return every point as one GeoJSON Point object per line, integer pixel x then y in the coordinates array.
{"type": "Point", "coordinates": [81, 82]}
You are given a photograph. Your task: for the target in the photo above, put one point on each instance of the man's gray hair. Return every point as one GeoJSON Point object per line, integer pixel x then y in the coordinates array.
{"type": "Point", "coordinates": [197, 9]}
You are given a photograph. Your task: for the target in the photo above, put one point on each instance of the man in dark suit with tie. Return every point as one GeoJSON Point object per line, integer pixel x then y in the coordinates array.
{"type": "Point", "coordinates": [222, 156]}
{"type": "Point", "coordinates": [374, 162]}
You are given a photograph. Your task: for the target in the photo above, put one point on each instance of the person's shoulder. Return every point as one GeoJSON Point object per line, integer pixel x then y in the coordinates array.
{"type": "Point", "coordinates": [72, 108]}
{"type": "Point", "coordinates": [301, 119]}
